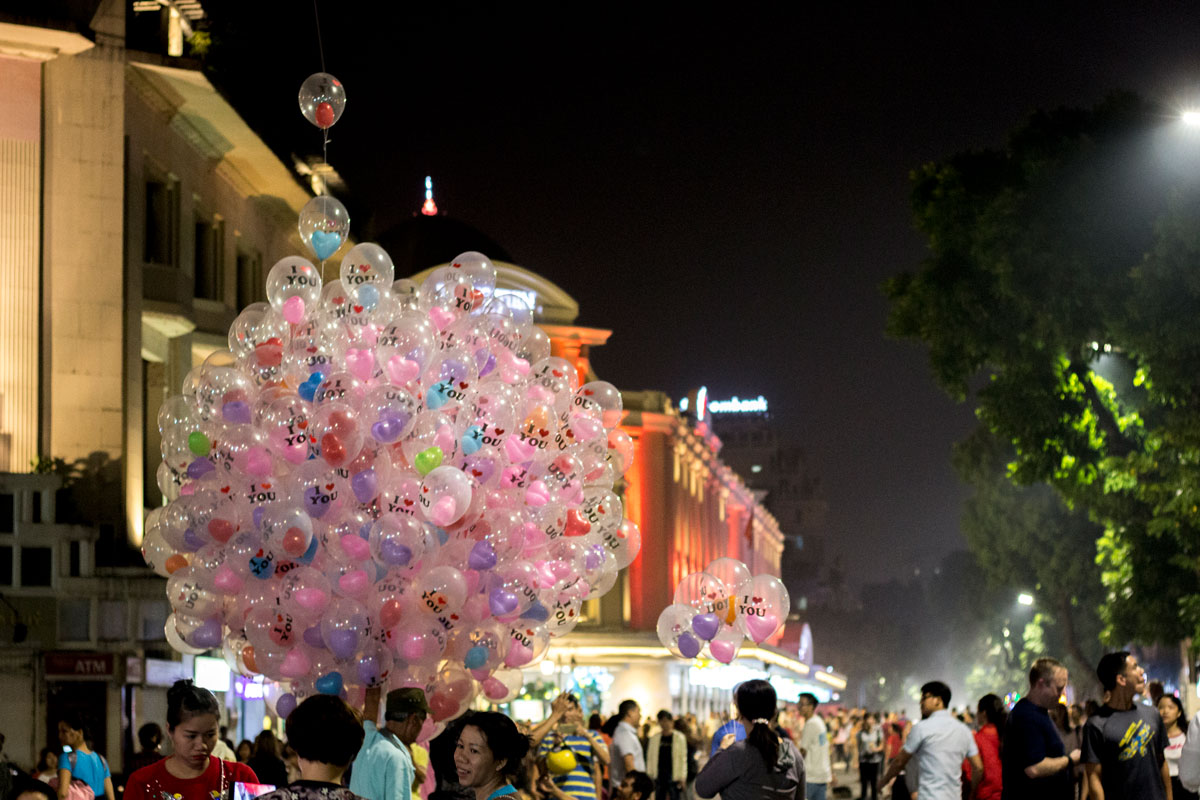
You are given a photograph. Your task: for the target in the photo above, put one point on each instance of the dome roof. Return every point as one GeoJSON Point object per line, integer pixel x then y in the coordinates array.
{"type": "Point", "coordinates": [423, 241]}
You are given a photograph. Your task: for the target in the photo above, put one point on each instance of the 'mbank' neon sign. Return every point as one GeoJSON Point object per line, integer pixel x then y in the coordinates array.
{"type": "Point", "coordinates": [736, 405]}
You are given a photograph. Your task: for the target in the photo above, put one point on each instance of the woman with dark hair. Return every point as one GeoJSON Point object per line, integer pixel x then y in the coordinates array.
{"type": "Point", "coordinates": [245, 749]}
{"type": "Point", "coordinates": [488, 755]}
{"type": "Point", "coordinates": [266, 761]}
{"type": "Point", "coordinates": [991, 716]}
{"type": "Point", "coordinates": [326, 734]}
{"type": "Point", "coordinates": [191, 772]}
{"type": "Point", "coordinates": [80, 763]}
{"type": "Point", "coordinates": [150, 737]}
{"type": "Point", "coordinates": [763, 766]}
{"type": "Point", "coordinates": [47, 766]}
{"type": "Point", "coordinates": [1175, 721]}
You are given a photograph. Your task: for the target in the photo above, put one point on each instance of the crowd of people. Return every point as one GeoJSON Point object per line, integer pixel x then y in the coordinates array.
{"type": "Point", "coordinates": [1118, 747]}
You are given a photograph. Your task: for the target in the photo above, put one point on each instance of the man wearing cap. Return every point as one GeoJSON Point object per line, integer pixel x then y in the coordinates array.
{"type": "Point", "coordinates": [383, 769]}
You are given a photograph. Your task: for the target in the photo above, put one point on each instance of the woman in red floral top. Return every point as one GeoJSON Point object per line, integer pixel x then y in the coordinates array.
{"type": "Point", "coordinates": [191, 772]}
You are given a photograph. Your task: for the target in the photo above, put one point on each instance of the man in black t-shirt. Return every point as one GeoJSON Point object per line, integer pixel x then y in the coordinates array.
{"type": "Point", "coordinates": [1035, 766]}
{"type": "Point", "coordinates": [1123, 742]}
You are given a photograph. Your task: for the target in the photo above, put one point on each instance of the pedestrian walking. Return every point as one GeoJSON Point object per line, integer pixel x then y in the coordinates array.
{"type": "Point", "coordinates": [990, 717]}
{"type": "Point", "coordinates": [78, 762]}
{"type": "Point", "coordinates": [384, 768]}
{"type": "Point", "coordinates": [939, 742]}
{"type": "Point", "coordinates": [763, 766]}
{"type": "Point", "coordinates": [869, 743]}
{"type": "Point", "coordinates": [1171, 711]}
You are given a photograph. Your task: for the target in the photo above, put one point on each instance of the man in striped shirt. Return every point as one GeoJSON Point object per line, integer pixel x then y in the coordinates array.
{"type": "Point", "coordinates": [564, 730]}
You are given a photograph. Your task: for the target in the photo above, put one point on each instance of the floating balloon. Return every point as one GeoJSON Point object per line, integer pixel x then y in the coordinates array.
{"type": "Point", "coordinates": [322, 99]}
{"type": "Point", "coordinates": [324, 226]}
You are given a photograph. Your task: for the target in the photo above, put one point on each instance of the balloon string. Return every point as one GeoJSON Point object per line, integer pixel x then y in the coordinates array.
{"type": "Point", "coordinates": [320, 46]}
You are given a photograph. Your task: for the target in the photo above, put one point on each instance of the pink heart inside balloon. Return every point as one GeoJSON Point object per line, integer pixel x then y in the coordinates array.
{"type": "Point", "coordinates": [354, 583]}
{"type": "Point", "coordinates": [356, 547]}
{"type": "Point", "coordinates": [444, 511]}
{"type": "Point", "coordinates": [761, 628]}
{"type": "Point", "coordinates": [258, 462]}
{"type": "Point", "coordinates": [537, 494]}
{"type": "Point", "coordinates": [518, 655]}
{"type": "Point", "coordinates": [361, 363]}
{"type": "Point", "coordinates": [440, 317]}
{"type": "Point", "coordinates": [494, 689]}
{"type": "Point", "coordinates": [401, 370]}
{"type": "Point", "coordinates": [412, 648]}
{"type": "Point", "coordinates": [723, 651]}
{"type": "Point", "coordinates": [293, 310]}
{"type": "Point", "coordinates": [312, 599]}
{"type": "Point", "coordinates": [226, 581]}
{"type": "Point", "coordinates": [295, 664]}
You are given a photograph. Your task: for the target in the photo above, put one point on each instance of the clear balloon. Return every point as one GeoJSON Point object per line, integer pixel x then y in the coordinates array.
{"type": "Point", "coordinates": [322, 99]}
{"type": "Point", "coordinates": [324, 226]}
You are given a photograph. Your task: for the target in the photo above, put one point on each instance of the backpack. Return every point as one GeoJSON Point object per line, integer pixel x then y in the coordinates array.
{"type": "Point", "coordinates": [79, 789]}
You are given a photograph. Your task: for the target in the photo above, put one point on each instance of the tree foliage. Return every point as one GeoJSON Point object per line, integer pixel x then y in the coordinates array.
{"type": "Point", "coordinates": [1060, 294]}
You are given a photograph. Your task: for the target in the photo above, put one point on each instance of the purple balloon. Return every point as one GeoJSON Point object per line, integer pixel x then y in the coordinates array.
{"type": "Point", "coordinates": [237, 411]}
{"type": "Point", "coordinates": [191, 541]}
{"type": "Point", "coordinates": [342, 644]}
{"type": "Point", "coordinates": [365, 485]}
{"type": "Point", "coordinates": [312, 502]}
{"type": "Point", "coordinates": [312, 637]}
{"type": "Point", "coordinates": [706, 626]}
{"type": "Point", "coordinates": [480, 467]}
{"type": "Point", "coordinates": [199, 468]}
{"type": "Point", "coordinates": [594, 558]}
{"type": "Point", "coordinates": [502, 602]}
{"type": "Point", "coordinates": [369, 670]}
{"type": "Point", "coordinates": [482, 557]}
{"type": "Point", "coordinates": [688, 645]}
{"type": "Point", "coordinates": [395, 554]}
{"type": "Point", "coordinates": [207, 635]}
{"type": "Point", "coordinates": [285, 705]}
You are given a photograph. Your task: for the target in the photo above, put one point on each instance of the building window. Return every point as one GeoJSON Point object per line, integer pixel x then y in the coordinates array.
{"type": "Point", "coordinates": [75, 620]}
{"type": "Point", "coordinates": [36, 567]}
{"type": "Point", "coordinates": [153, 621]}
{"type": "Point", "coordinates": [162, 222]}
{"type": "Point", "coordinates": [8, 513]}
{"type": "Point", "coordinates": [113, 621]}
{"type": "Point", "coordinates": [208, 262]}
{"type": "Point", "coordinates": [6, 565]}
{"type": "Point", "coordinates": [249, 278]}
{"type": "Point", "coordinates": [74, 558]}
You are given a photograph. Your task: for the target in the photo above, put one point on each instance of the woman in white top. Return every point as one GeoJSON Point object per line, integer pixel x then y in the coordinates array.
{"type": "Point", "coordinates": [1171, 711]}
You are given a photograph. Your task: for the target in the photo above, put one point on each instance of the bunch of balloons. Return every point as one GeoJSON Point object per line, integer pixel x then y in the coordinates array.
{"type": "Point", "coordinates": [385, 483]}
{"type": "Point", "coordinates": [714, 611]}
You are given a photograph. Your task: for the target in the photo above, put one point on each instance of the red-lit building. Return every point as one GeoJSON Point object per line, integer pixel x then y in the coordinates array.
{"type": "Point", "coordinates": [691, 508]}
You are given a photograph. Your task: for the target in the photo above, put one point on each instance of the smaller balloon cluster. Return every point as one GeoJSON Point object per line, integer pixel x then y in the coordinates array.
{"type": "Point", "coordinates": [714, 611]}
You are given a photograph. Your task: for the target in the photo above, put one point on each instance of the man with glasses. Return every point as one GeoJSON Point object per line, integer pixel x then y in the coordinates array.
{"type": "Point", "coordinates": [940, 743]}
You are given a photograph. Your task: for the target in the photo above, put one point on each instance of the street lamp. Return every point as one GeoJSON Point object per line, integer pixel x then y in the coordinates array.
{"type": "Point", "coordinates": [1190, 117]}
{"type": "Point", "coordinates": [1025, 599]}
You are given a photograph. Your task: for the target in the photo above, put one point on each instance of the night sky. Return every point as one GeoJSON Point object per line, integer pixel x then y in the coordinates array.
{"type": "Point", "coordinates": [726, 190]}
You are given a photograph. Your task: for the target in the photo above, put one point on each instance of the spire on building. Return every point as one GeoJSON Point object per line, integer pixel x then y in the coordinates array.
{"type": "Point", "coordinates": [429, 209]}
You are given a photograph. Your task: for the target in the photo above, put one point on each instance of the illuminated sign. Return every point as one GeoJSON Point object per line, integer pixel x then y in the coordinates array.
{"type": "Point", "coordinates": [736, 405]}
{"type": "Point", "coordinates": [212, 674]}
{"type": "Point", "coordinates": [701, 403]}
{"type": "Point", "coordinates": [249, 688]}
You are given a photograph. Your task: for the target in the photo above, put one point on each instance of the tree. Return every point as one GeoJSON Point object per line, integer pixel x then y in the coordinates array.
{"type": "Point", "coordinates": [1060, 294]}
{"type": "Point", "coordinates": [1026, 538]}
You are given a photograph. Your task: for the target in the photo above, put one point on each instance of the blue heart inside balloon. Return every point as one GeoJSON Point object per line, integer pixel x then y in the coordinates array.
{"type": "Point", "coordinates": [330, 684]}
{"type": "Point", "coordinates": [325, 244]}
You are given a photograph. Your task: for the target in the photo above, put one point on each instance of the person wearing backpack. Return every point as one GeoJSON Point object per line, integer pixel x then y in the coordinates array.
{"type": "Point", "coordinates": [82, 774]}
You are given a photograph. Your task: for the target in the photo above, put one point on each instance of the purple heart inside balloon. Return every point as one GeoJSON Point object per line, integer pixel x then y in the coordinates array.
{"type": "Point", "coordinates": [688, 645]}
{"type": "Point", "coordinates": [207, 635]}
{"type": "Point", "coordinates": [365, 485]}
{"type": "Point", "coordinates": [342, 643]}
{"type": "Point", "coordinates": [191, 541]}
{"type": "Point", "coordinates": [395, 554]}
{"type": "Point", "coordinates": [502, 602]}
{"type": "Point", "coordinates": [368, 670]}
{"type": "Point", "coordinates": [236, 411]}
{"type": "Point", "coordinates": [286, 704]}
{"type": "Point", "coordinates": [312, 502]}
{"type": "Point", "coordinates": [312, 637]}
{"type": "Point", "coordinates": [706, 626]}
{"type": "Point", "coordinates": [537, 612]}
{"type": "Point", "coordinates": [594, 558]}
{"type": "Point", "coordinates": [199, 468]}
{"type": "Point", "coordinates": [389, 427]}
{"type": "Point", "coordinates": [483, 556]}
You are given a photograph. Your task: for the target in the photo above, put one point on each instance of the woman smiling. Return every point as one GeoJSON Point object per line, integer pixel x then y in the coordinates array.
{"type": "Point", "coordinates": [488, 755]}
